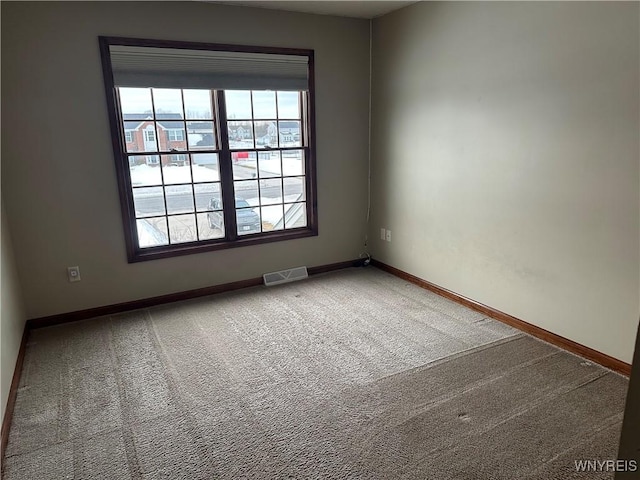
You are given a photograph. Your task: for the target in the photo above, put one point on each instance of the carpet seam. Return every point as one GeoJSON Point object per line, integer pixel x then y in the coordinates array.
{"type": "Point", "coordinates": [455, 356]}
{"type": "Point", "coordinates": [168, 368]}
{"type": "Point", "coordinates": [423, 324]}
{"type": "Point", "coordinates": [133, 465]}
{"type": "Point", "coordinates": [442, 450]}
{"type": "Point", "coordinates": [611, 421]}
{"type": "Point", "coordinates": [530, 406]}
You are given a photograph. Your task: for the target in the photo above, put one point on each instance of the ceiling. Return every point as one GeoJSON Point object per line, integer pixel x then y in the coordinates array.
{"type": "Point", "coordinates": [347, 8]}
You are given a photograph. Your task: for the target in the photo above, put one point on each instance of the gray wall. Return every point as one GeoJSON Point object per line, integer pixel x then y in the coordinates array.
{"type": "Point", "coordinates": [59, 179]}
{"type": "Point", "coordinates": [505, 159]}
{"type": "Point", "coordinates": [12, 315]}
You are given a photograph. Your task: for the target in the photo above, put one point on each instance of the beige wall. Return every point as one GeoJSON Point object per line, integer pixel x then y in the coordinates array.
{"type": "Point", "coordinates": [12, 315]}
{"type": "Point", "coordinates": [59, 178]}
{"type": "Point", "coordinates": [505, 159]}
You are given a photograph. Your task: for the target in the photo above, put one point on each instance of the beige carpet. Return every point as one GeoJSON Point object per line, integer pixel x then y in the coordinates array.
{"type": "Point", "coordinates": [354, 374]}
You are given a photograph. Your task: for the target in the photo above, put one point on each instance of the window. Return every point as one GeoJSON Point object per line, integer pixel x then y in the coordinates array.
{"type": "Point", "coordinates": [149, 136]}
{"type": "Point", "coordinates": [240, 118]}
{"type": "Point", "coordinates": [180, 158]}
{"type": "Point", "coordinates": [175, 135]}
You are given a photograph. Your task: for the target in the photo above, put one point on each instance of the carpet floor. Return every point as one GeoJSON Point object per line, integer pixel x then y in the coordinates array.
{"type": "Point", "coordinates": [353, 374]}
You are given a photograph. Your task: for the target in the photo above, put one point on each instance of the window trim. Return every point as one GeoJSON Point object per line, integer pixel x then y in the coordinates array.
{"type": "Point", "coordinates": [136, 254]}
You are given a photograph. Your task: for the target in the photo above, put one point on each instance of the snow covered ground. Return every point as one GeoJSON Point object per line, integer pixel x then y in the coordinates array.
{"type": "Point", "coordinates": [142, 175]}
{"type": "Point", "coordinates": [291, 166]}
{"type": "Point", "coordinates": [148, 175]}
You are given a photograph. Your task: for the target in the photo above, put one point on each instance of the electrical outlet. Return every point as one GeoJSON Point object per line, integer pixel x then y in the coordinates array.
{"type": "Point", "coordinates": [382, 234]}
{"type": "Point", "coordinates": [388, 235]}
{"type": "Point", "coordinates": [74, 274]}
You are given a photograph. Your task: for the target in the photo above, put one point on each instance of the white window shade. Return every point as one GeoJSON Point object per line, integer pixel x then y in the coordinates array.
{"type": "Point", "coordinates": [183, 68]}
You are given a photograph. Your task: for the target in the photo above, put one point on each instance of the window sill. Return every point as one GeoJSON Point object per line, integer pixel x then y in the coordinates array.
{"type": "Point", "coordinates": [154, 253]}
